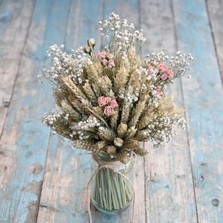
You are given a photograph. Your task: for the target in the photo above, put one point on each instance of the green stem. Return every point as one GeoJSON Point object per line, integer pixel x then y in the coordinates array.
{"type": "Point", "coordinates": [114, 196]}
{"type": "Point", "coordinates": [109, 190]}
{"type": "Point", "coordinates": [96, 195]}
{"type": "Point", "coordinates": [123, 193]}
{"type": "Point", "coordinates": [128, 191]}
{"type": "Point", "coordinates": [117, 187]}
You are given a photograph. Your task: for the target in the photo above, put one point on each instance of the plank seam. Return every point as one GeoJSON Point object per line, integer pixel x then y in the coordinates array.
{"type": "Point", "coordinates": [103, 17]}
{"type": "Point", "coordinates": [50, 135]}
{"type": "Point", "coordinates": [41, 186]}
{"type": "Point", "coordinates": [144, 146]}
{"type": "Point", "coordinates": [68, 15]}
{"type": "Point", "coordinates": [18, 68]}
{"type": "Point", "coordinates": [213, 40]}
{"type": "Point", "coordinates": [187, 134]}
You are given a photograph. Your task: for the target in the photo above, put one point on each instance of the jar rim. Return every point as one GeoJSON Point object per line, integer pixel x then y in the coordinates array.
{"type": "Point", "coordinates": [114, 164]}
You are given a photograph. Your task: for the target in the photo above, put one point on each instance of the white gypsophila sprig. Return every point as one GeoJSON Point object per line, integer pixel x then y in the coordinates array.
{"type": "Point", "coordinates": [66, 64]}
{"type": "Point", "coordinates": [162, 129]}
{"type": "Point", "coordinates": [60, 123]}
{"type": "Point", "coordinates": [51, 117]}
{"type": "Point", "coordinates": [87, 125]}
{"type": "Point", "coordinates": [151, 73]}
{"type": "Point", "coordinates": [154, 59]}
{"type": "Point", "coordinates": [180, 63]}
{"type": "Point", "coordinates": [178, 120]}
{"type": "Point", "coordinates": [130, 95]}
{"type": "Point", "coordinates": [154, 96]}
{"type": "Point", "coordinates": [120, 35]}
{"type": "Point", "coordinates": [85, 129]}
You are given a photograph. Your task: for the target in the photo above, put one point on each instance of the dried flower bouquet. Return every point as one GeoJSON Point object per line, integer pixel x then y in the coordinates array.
{"type": "Point", "coordinates": [112, 100]}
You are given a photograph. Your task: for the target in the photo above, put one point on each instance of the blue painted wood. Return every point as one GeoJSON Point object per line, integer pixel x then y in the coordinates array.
{"type": "Point", "coordinates": [130, 10]}
{"type": "Point", "coordinates": [203, 102]}
{"type": "Point", "coordinates": [215, 13]}
{"type": "Point", "coordinates": [14, 18]}
{"type": "Point", "coordinates": [68, 169]}
{"type": "Point", "coordinates": [25, 139]}
{"type": "Point", "coordinates": [169, 187]}
{"type": "Point", "coordinates": [73, 169]}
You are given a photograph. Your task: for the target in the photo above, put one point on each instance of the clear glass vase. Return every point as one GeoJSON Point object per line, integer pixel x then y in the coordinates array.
{"type": "Point", "coordinates": [112, 185]}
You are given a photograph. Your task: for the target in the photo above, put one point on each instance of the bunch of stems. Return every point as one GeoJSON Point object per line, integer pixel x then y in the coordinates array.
{"type": "Point", "coordinates": [111, 190]}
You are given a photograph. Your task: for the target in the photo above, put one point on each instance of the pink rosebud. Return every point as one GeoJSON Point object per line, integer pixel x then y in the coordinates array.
{"type": "Point", "coordinates": [108, 99]}
{"type": "Point", "coordinates": [101, 55]}
{"type": "Point", "coordinates": [102, 101]}
{"type": "Point", "coordinates": [104, 62]}
{"type": "Point", "coordinates": [152, 70]}
{"type": "Point", "coordinates": [109, 56]}
{"type": "Point", "coordinates": [170, 73]}
{"type": "Point", "coordinates": [106, 59]}
{"type": "Point", "coordinates": [114, 103]}
{"type": "Point", "coordinates": [111, 63]}
{"type": "Point", "coordinates": [162, 68]}
{"type": "Point", "coordinates": [109, 110]}
{"type": "Point", "coordinates": [158, 93]}
{"type": "Point", "coordinates": [164, 76]}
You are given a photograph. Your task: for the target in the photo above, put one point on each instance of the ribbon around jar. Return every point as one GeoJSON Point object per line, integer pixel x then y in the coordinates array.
{"type": "Point", "coordinates": [108, 165]}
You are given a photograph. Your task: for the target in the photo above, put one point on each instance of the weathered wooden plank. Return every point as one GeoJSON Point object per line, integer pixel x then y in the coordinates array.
{"type": "Point", "coordinates": [130, 10]}
{"type": "Point", "coordinates": [64, 189]}
{"type": "Point", "coordinates": [14, 24]}
{"type": "Point", "coordinates": [25, 139]}
{"type": "Point", "coordinates": [68, 203]}
{"type": "Point", "coordinates": [215, 9]}
{"type": "Point", "coordinates": [203, 103]}
{"type": "Point", "coordinates": [169, 187]}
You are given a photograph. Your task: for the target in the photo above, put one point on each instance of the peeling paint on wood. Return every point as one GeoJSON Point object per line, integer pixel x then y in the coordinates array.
{"type": "Point", "coordinates": [14, 19]}
{"type": "Point", "coordinates": [21, 187]}
{"type": "Point", "coordinates": [169, 198]}
{"type": "Point", "coordinates": [43, 178]}
{"type": "Point", "coordinates": [203, 102]}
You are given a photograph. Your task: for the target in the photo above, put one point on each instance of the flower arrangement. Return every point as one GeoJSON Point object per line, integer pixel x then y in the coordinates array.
{"type": "Point", "coordinates": [112, 100]}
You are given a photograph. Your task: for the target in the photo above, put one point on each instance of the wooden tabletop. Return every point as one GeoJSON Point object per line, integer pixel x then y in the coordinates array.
{"type": "Point", "coordinates": [43, 179]}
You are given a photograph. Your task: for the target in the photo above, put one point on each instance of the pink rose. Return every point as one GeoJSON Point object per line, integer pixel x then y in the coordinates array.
{"type": "Point", "coordinates": [162, 68]}
{"type": "Point", "coordinates": [170, 73]}
{"type": "Point", "coordinates": [109, 110]}
{"type": "Point", "coordinates": [102, 101]}
{"type": "Point", "coordinates": [158, 93]}
{"type": "Point", "coordinates": [109, 56]}
{"type": "Point", "coordinates": [114, 103]}
{"type": "Point", "coordinates": [101, 55]}
{"type": "Point", "coordinates": [108, 100]}
{"type": "Point", "coordinates": [106, 59]}
{"type": "Point", "coordinates": [104, 62]}
{"type": "Point", "coordinates": [164, 76]}
{"type": "Point", "coordinates": [111, 63]}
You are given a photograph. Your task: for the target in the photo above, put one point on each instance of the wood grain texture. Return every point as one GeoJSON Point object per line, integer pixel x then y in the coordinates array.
{"type": "Point", "coordinates": [43, 178]}
{"type": "Point", "coordinates": [130, 11]}
{"type": "Point", "coordinates": [215, 12]}
{"type": "Point", "coordinates": [169, 187]}
{"type": "Point", "coordinates": [204, 108]}
{"type": "Point", "coordinates": [14, 25]}
{"type": "Point", "coordinates": [25, 139]}
{"type": "Point", "coordinates": [68, 170]}
{"type": "Point", "coordinates": [74, 208]}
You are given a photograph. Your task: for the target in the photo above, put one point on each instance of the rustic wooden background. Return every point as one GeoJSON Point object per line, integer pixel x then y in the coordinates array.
{"type": "Point", "coordinates": [43, 179]}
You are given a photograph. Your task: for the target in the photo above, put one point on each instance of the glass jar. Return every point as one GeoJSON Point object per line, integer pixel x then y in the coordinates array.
{"type": "Point", "coordinates": [112, 185]}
